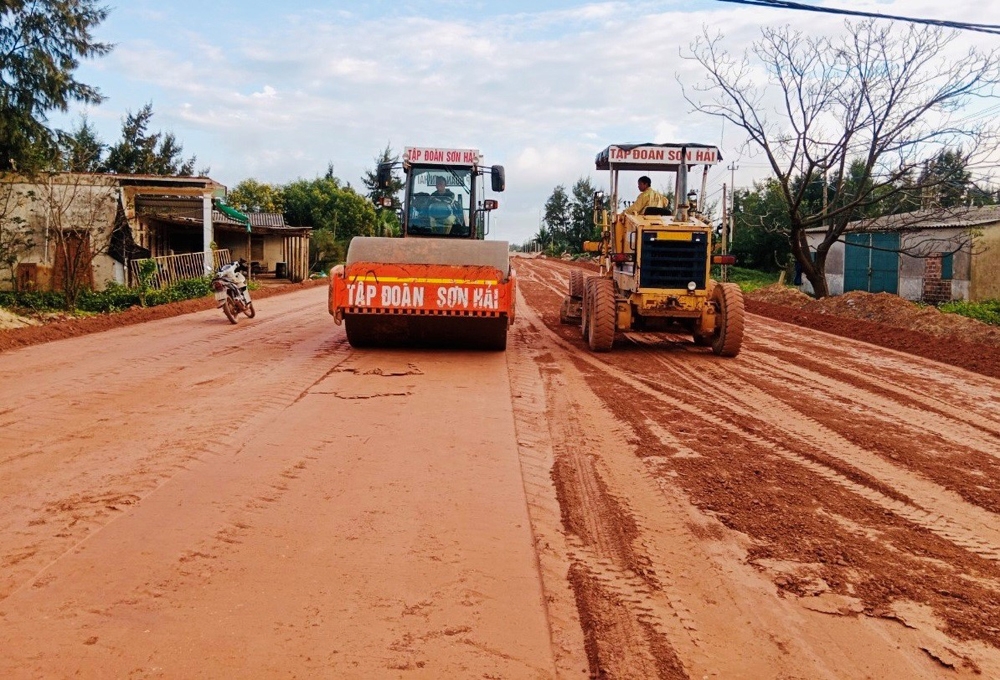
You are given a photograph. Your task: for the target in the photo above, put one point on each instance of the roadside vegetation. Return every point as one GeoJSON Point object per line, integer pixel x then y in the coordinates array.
{"type": "Point", "coordinates": [987, 311]}
{"type": "Point", "coordinates": [747, 279]}
{"type": "Point", "coordinates": [115, 298]}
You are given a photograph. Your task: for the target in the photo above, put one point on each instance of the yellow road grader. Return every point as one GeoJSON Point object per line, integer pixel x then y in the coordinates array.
{"type": "Point", "coordinates": [655, 267]}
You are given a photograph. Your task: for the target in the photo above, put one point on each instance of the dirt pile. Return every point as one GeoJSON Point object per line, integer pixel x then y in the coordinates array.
{"type": "Point", "coordinates": [885, 309]}
{"type": "Point", "coordinates": [9, 319]}
{"type": "Point", "coordinates": [978, 357]}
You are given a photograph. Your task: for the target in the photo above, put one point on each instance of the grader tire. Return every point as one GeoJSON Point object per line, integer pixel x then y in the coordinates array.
{"type": "Point", "coordinates": [576, 283]}
{"type": "Point", "coordinates": [729, 320]}
{"type": "Point", "coordinates": [603, 310]}
{"type": "Point", "coordinates": [585, 307]}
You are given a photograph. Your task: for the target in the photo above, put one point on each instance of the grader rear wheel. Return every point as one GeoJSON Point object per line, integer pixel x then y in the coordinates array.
{"type": "Point", "coordinates": [585, 307]}
{"type": "Point", "coordinates": [603, 310]}
{"type": "Point", "coordinates": [576, 283]}
{"type": "Point", "coordinates": [729, 320]}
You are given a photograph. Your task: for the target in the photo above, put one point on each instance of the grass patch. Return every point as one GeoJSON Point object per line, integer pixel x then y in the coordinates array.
{"type": "Point", "coordinates": [987, 311]}
{"type": "Point", "coordinates": [747, 279]}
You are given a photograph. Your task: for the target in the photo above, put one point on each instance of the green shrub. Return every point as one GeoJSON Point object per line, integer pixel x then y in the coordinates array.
{"type": "Point", "coordinates": [987, 311]}
{"type": "Point", "coordinates": [147, 270]}
{"type": "Point", "coordinates": [114, 298]}
{"type": "Point", "coordinates": [39, 301]}
{"type": "Point", "coordinates": [747, 279]}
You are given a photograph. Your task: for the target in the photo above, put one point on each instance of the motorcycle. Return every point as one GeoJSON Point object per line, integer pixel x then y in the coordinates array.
{"type": "Point", "coordinates": [231, 292]}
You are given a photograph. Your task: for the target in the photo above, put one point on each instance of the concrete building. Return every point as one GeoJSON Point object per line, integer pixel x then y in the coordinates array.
{"type": "Point", "coordinates": [930, 255]}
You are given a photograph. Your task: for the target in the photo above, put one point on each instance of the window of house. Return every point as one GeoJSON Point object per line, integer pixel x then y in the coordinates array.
{"type": "Point", "coordinates": [947, 266]}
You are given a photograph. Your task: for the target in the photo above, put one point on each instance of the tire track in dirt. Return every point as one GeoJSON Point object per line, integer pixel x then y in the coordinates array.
{"type": "Point", "coordinates": [925, 504]}
{"type": "Point", "coordinates": [608, 576]}
{"type": "Point", "coordinates": [537, 460]}
{"type": "Point", "coordinates": [949, 516]}
{"type": "Point", "coordinates": [905, 403]}
{"type": "Point", "coordinates": [961, 400]}
{"type": "Point", "coordinates": [600, 534]}
{"type": "Point", "coordinates": [873, 551]}
{"type": "Point", "coordinates": [48, 533]}
{"type": "Point", "coordinates": [965, 469]}
{"type": "Point", "coordinates": [677, 596]}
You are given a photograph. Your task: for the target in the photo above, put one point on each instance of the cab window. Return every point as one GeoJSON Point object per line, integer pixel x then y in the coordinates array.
{"type": "Point", "coordinates": [439, 202]}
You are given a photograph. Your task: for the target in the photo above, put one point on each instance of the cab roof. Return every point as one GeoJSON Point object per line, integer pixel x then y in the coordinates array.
{"type": "Point", "coordinates": [649, 156]}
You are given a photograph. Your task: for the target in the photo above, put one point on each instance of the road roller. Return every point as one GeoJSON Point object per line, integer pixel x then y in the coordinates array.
{"type": "Point", "coordinates": [442, 283]}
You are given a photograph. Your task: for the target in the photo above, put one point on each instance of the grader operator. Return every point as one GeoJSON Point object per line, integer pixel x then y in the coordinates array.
{"type": "Point", "coordinates": [441, 284]}
{"type": "Point", "coordinates": [655, 264]}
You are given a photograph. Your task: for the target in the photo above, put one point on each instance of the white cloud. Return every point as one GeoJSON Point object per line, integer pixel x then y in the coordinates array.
{"type": "Point", "coordinates": [541, 91]}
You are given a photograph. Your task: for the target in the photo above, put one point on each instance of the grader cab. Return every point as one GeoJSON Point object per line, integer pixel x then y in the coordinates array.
{"type": "Point", "coordinates": [655, 267]}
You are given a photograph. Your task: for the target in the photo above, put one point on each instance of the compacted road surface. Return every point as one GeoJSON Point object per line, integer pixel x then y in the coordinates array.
{"type": "Point", "coordinates": [183, 498]}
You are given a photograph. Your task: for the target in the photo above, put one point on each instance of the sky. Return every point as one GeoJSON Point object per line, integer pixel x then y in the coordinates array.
{"type": "Point", "coordinates": [278, 91]}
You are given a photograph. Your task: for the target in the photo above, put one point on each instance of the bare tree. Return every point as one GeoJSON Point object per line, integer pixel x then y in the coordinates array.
{"type": "Point", "coordinates": [79, 213]}
{"type": "Point", "coordinates": [857, 115]}
{"type": "Point", "coordinates": [16, 237]}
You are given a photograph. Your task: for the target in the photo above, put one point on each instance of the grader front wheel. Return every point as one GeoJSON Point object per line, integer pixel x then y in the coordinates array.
{"type": "Point", "coordinates": [729, 320]}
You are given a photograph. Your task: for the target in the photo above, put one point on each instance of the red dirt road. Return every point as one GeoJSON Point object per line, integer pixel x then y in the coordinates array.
{"type": "Point", "coordinates": [182, 498]}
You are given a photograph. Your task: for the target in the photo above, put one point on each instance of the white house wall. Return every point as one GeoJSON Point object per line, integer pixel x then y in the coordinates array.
{"type": "Point", "coordinates": [72, 202]}
{"type": "Point", "coordinates": [911, 268]}
{"type": "Point", "coordinates": [834, 266]}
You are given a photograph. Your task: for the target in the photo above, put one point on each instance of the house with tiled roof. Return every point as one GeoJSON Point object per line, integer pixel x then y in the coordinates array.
{"type": "Point", "coordinates": [112, 221]}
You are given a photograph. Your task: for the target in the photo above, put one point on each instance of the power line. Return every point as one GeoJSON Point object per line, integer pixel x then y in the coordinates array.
{"type": "Point", "coordinates": [993, 29]}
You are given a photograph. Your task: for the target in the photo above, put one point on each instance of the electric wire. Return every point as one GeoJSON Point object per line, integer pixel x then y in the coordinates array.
{"type": "Point", "coordinates": [993, 29]}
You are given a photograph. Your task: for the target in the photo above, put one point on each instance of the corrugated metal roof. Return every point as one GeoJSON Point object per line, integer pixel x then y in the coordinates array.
{"type": "Point", "coordinates": [939, 218]}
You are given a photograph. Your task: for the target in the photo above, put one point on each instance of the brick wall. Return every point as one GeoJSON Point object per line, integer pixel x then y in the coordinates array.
{"type": "Point", "coordinates": [935, 289]}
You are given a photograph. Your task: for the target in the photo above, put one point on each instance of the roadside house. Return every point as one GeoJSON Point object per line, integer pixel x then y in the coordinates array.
{"type": "Point", "coordinates": [97, 226]}
{"type": "Point", "coordinates": [931, 255]}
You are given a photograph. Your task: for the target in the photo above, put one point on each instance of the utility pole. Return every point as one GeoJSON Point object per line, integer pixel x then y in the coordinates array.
{"type": "Point", "coordinates": [825, 185]}
{"type": "Point", "coordinates": [732, 208]}
{"type": "Point", "coordinates": [725, 215]}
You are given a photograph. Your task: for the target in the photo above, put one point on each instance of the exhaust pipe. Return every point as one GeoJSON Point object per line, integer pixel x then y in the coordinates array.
{"type": "Point", "coordinates": [680, 196]}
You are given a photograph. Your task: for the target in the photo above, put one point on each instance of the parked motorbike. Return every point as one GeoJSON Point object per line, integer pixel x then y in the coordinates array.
{"type": "Point", "coordinates": [231, 292]}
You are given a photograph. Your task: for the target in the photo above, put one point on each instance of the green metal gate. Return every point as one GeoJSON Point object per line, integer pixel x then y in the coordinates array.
{"type": "Point", "coordinates": [871, 262]}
